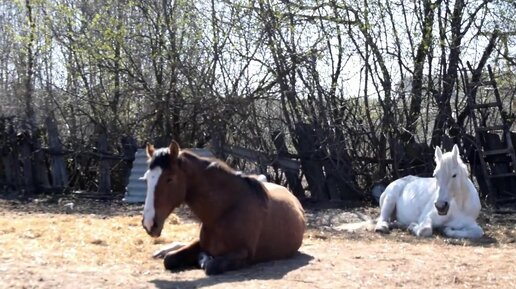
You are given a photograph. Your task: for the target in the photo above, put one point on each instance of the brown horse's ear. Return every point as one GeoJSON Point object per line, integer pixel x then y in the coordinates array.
{"type": "Point", "coordinates": [150, 150]}
{"type": "Point", "coordinates": [174, 150]}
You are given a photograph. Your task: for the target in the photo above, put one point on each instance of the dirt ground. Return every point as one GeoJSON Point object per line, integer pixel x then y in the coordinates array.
{"type": "Point", "coordinates": [47, 244]}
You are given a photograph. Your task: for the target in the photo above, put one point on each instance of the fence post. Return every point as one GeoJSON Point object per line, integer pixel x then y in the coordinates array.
{"type": "Point", "coordinates": [10, 155]}
{"type": "Point", "coordinates": [26, 159]}
{"type": "Point", "coordinates": [57, 163]}
{"type": "Point", "coordinates": [104, 186]}
{"type": "Point", "coordinates": [129, 148]}
{"type": "Point", "coordinates": [39, 165]}
{"type": "Point", "coordinates": [293, 180]}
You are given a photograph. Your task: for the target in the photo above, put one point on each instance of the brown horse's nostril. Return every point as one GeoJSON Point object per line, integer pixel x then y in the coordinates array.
{"type": "Point", "coordinates": [442, 207]}
{"type": "Point", "coordinates": [146, 230]}
{"type": "Point", "coordinates": [153, 231]}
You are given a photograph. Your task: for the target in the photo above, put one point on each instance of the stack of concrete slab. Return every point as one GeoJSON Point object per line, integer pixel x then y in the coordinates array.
{"type": "Point", "coordinates": [136, 188]}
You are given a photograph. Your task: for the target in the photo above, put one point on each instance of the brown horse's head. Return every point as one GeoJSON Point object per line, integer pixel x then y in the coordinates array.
{"type": "Point", "coordinates": [166, 187]}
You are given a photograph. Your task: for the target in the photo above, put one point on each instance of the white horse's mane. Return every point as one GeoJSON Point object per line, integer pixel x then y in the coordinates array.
{"type": "Point", "coordinates": [450, 164]}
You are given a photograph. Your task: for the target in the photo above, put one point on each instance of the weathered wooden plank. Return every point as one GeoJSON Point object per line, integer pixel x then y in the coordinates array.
{"type": "Point", "coordinates": [57, 162]}
{"type": "Point", "coordinates": [104, 168]}
{"type": "Point", "coordinates": [255, 156]}
{"type": "Point", "coordinates": [292, 175]}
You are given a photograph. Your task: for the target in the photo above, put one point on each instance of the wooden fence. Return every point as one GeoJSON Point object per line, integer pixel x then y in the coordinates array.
{"type": "Point", "coordinates": [27, 166]}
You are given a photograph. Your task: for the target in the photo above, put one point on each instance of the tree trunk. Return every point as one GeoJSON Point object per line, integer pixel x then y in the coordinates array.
{"type": "Point", "coordinates": [29, 110]}
{"type": "Point", "coordinates": [312, 157]}
{"type": "Point", "coordinates": [444, 117]}
{"type": "Point", "coordinates": [419, 62]}
{"type": "Point", "coordinates": [340, 179]}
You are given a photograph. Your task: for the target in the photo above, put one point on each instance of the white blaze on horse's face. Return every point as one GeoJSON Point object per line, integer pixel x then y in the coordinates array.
{"type": "Point", "coordinates": [152, 177]}
{"type": "Point", "coordinates": [446, 173]}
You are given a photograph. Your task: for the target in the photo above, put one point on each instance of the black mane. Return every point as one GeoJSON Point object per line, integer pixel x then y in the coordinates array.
{"type": "Point", "coordinates": [160, 158]}
{"type": "Point", "coordinates": [215, 164]}
{"type": "Point", "coordinates": [257, 187]}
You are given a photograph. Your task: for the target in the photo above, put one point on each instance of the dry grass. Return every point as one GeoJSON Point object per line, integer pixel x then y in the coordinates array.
{"type": "Point", "coordinates": [43, 248]}
{"type": "Point", "coordinates": [92, 240]}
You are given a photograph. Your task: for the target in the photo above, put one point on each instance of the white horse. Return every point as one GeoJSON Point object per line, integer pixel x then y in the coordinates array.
{"type": "Point", "coordinates": [448, 201]}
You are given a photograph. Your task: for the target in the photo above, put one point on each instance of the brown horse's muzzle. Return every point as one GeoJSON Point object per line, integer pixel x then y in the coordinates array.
{"type": "Point", "coordinates": [155, 230]}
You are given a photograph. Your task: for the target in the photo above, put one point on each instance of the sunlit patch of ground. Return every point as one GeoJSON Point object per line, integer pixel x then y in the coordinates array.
{"type": "Point", "coordinates": [102, 245]}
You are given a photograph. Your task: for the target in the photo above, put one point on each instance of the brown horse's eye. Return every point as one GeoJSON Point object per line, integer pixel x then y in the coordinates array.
{"type": "Point", "coordinates": [169, 180]}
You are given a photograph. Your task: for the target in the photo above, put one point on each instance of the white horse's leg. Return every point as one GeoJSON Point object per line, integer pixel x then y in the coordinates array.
{"type": "Point", "coordinates": [423, 229]}
{"type": "Point", "coordinates": [387, 206]}
{"type": "Point", "coordinates": [473, 231]}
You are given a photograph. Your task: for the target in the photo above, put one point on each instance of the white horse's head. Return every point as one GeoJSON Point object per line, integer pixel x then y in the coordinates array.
{"type": "Point", "coordinates": [450, 173]}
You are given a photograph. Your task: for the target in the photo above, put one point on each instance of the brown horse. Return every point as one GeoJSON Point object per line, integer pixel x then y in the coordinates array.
{"type": "Point", "coordinates": [244, 221]}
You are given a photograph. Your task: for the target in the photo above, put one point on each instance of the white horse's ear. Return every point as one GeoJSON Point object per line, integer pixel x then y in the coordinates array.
{"type": "Point", "coordinates": [455, 152]}
{"type": "Point", "coordinates": [438, 154]}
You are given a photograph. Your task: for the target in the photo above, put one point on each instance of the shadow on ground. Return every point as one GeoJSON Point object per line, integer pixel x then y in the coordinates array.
{"type": "Point", "coordinates": [273, 270]}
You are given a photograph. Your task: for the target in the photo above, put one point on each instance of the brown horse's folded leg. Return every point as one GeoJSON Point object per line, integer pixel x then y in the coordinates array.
{"type": "Point", "coordinates": [224, 263]}
{"type": "Point", "coordinates": [184, 257]}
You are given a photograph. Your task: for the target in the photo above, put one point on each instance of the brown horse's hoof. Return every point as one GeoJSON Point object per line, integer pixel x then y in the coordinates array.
{"type": "Point", "coordinates": [203, 260]}
{"type": "Point", "coordinates": [213, 267]}
{"type": "Point", "coordinates": [172, 262]}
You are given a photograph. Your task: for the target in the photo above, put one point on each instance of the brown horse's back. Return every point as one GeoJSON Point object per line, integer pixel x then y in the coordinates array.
{"type": "Point", "coordinates": [284, 226]}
